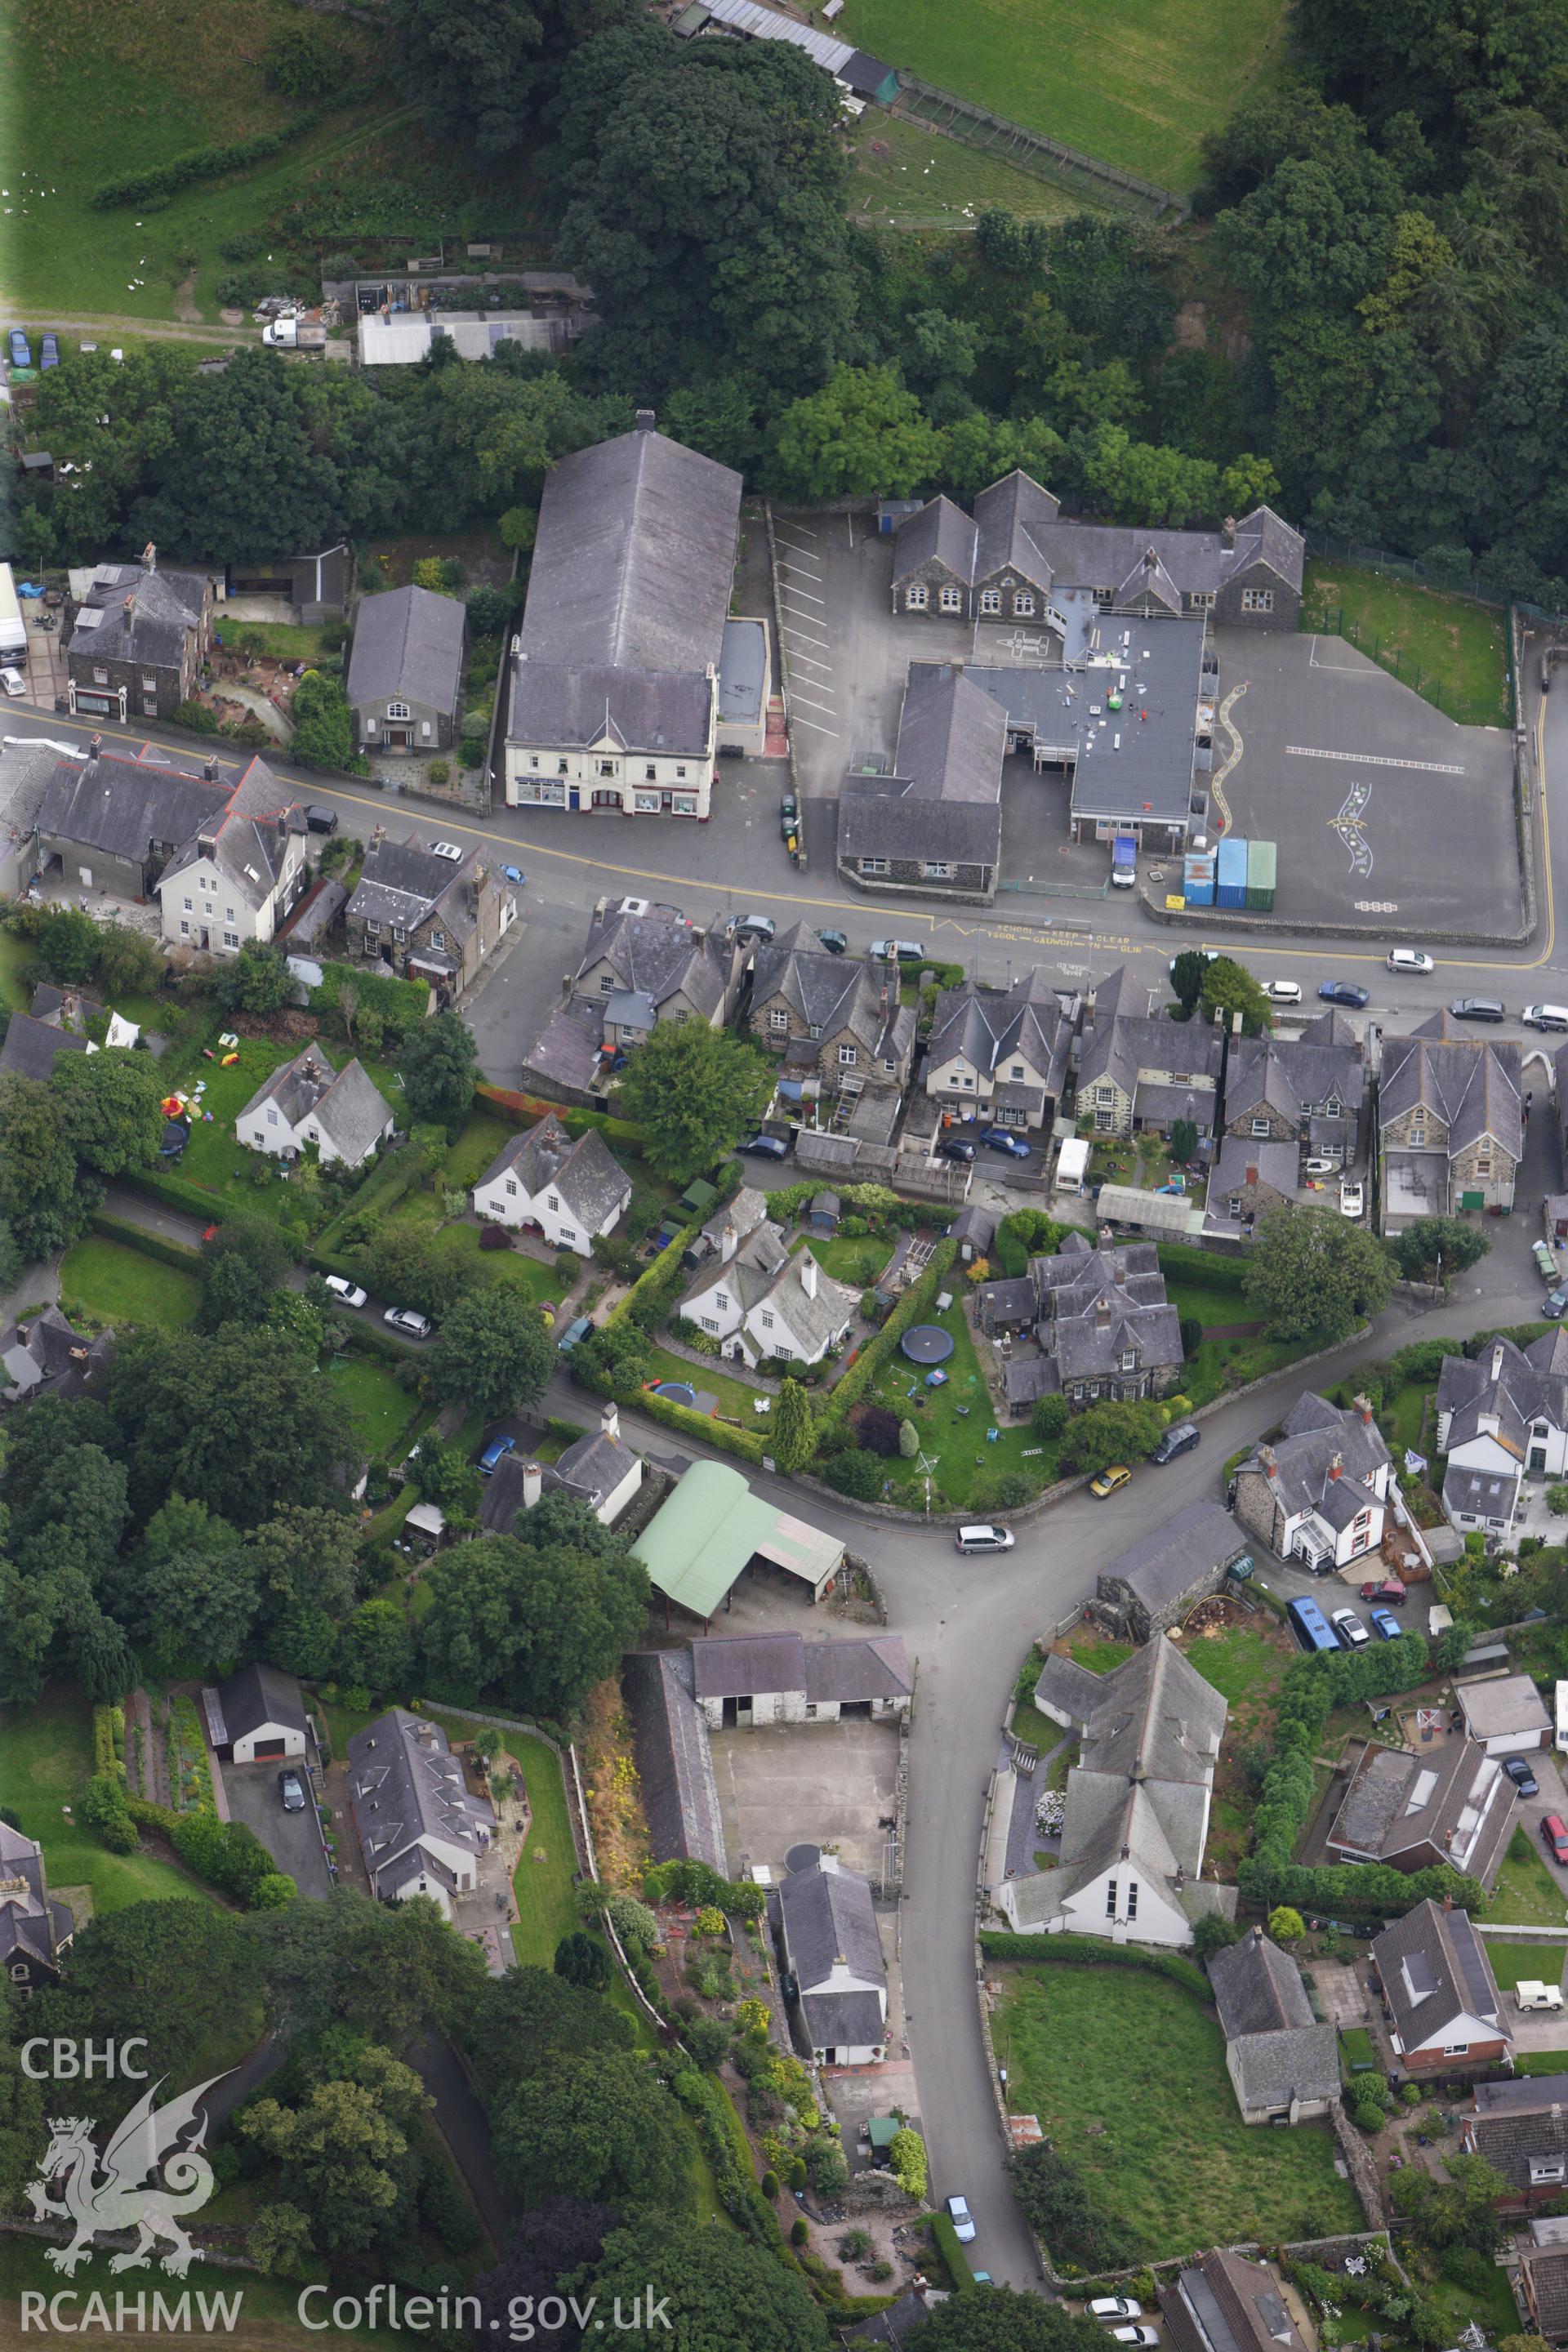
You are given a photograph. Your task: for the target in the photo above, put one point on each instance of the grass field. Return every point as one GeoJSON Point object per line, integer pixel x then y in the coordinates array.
{"type": "Point", "coordinates": [120, 1287]}
{"type": "Point", "coordinates": [46, 1761]}
{"type": "Point", "coordinates": [1133, 84]}
{"type": "Point", "coordinates": [905, 177]}
{"type": "Point", "coordinates": [542, 1879]}
{"type": "Point", "coordinates": [1243, 1664]}
{"type": "Point", "coordinates": [1453, 652]}
{"type": "Point", "coordinates": [1526, 1893]}
{"type": "Point", "coordinates": [1211, 1308]}
{"type": "Point", "coordinates": [384, 1409]}
{"type": "Point", "coordinates": [1512, 1961]}
{"type": "Point", "coordinates": [1126, 2072]}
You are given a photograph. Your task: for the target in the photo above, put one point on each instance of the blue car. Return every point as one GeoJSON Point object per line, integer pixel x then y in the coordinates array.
{"type": "Point", "coordinates": [21, 350]}
{"type": "Point", "coordinates": [515, 874]}
{"type": "Point", "coordinates": [1002, 1139]}
{"type": "Point", "coordinates": [1345, 992]}
{"type": "Point", "coordinates": [1385, 1624]}
{"type": "Point", "coordinates": [496, 1453]}
{"type": "Point", "coordinates": [49, 350]}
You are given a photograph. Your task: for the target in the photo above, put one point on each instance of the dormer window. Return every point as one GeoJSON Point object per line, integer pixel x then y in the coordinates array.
{"type": "Point", "coordinates": [1129, 1360]}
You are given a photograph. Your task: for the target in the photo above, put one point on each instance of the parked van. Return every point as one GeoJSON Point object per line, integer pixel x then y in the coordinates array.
{"type": "Point", "coordinates": [1180, 1438]}
{"type": "Point", "coordinates": [1545, 1017]}
{"type": "Point", "coordinates": [1531, 1993]}
{"type": "Point", "coordinates": [984, 1538]}
{"type": "Point", "coordinates": [1310, 1627]}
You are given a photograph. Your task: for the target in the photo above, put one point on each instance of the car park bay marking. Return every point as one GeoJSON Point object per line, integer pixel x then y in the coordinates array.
{"type": "Point", "coordinates": [817, 730]}
{"type": "Point", "coordinates": [809, 661]}
{"type": "Point", "coordinates": [1373, 759]}
{"type": "Point", "coordinates": [796, 696]}
{"type": "Point", "coordinates": [789, 589]}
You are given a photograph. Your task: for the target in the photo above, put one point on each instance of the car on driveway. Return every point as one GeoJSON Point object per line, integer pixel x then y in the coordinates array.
{"type": "Point", "coordinates": [952, 1147]}
{"type": "Point", "coordinates": [1385, 1624]}
{"type": "Point", "coordinates": [1391, 1592]}
{"type": "Point", "coordinates": [495, 1453]}
{"type": "Point", "coordinates": [21, 350]}
{"type": "Point", "coordinates": [1145, 2337]}
{"type": "Point", "coordinates": [766, 1146]}
{"type": "Point", "coordinates": [1118, 1475]}
{"type": "Point", "coordinates": [1345, 992]}
{"type": "Point", "coordinates": [1555, 1836]}
{"type": "Point", "coordinates": [349, 1291]}
{"type": "Point", "coordinates": [1409, 960]}
{"type": "Point", "coordinates": [1523, 1778]}
{"type": "Point", "coordinates": [574, 1334]}
{"type": "Point", "coordinates": [1353, 1199]}
{"type": "Point", "coordinates": [291, 1790]}
{"type": "Point", "coordinates": [963, 2220]}
{"type": "Point", "coordinates": [1553, 1305]}
{"type": "Point", "coordinates": [1350, 1629]}
{"type": "Point", "coordinates": [1115, 2307]}
{"type": "Point", "coordinates": [409, 1320]}
{"type": "Point", "coordinates": [1002, 1139]}
{"type": "Point", "coordinates": [48, 350]}
{"type": "Point", "coordinates": [1478, 1008]}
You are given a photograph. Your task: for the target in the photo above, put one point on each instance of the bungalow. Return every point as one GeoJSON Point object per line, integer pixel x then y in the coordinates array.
{"type": "Point", "coordinates": [257, 1716]}
{"type": "Point", "coordinates": [1444, 2012]}
{"type": "Point", "coordinates": [343, 1114]}
{"type": "Point", "coordinates": [574, 1192]}
{"type": "Point", "coordinates": [833, 1950]}
{"type": "Point", "coordinates": [1224, 2303]}
{"type": "Point", "coordinates": [761, 1300]}
{"type": "Point", "coordinates": [1416, 1811]}
{"type": "Point", "coordinates": [1284, 2066]}
{"type": "Point", "coordinates": [420, 1830]}
{"type": "Point", "coordinates": [1520, 2129]}
{"type": "Point", "coordinates": [1319, 1492]}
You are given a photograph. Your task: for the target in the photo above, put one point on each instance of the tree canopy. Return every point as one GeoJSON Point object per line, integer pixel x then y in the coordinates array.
{"type": "Point", "coordinates": [538, 1626]}
{"type": "Point", "coordinates": [695, 1092]}
{"type": "Point", "coordinates": [437, 1065]}
{"type": "Point", "coordinates": [1313, 1275]}
{"type": "Point", "coordinates": [493, 1353]}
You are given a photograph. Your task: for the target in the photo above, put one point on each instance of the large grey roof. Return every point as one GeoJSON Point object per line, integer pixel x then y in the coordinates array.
{"type": "Point", "coordinates": [828, 991]}
{"type": "Point", "coordinates": [1172, 1557]}
{"type": "Point", "coordinates": [585, 1174]}
{"type": "Point", "coordinates": [1457, 1798]}
{"type": "Point", "coordinates": [1110, 556]}
{"type": "Point", "coordinates": [1299, 1464]}
{"type": "Point", "coordinates": [407, 643]}
{"type": "Point", "coordinates": [993, 1026]}
{"type": "Point", "coordinates": [883, 824]}
{"type": "Point", "coordinates": [405, 1785]}
{"type": "Point", "coordinates": [1292, 1076]}
{"type": "Point", "coordinates": [1476, 1088]}
{"type": "Point", "coordinates": [638, 709]}
{"type": "Point", "coordinates": [404, 882]}
{"type": "Point", "coordinates": [1154, 1713]}
{"type": "Point", "coordinates": [1301, 2062]}
{"type": "Point", "coordinates": [347, 1104]}
{"type": "Point", "coordinates": [941, 530]}
{"type": "Point", "coordinates": [1507, 1385]}
{"type": "Point", "coordinates": [125, 806]}
{"type": "Point", "coordinates": [30, 1922]}
{"type": "Point", "coordinates": [828, 1919]}
{"type": "Point", "coordinates": [742, 1665]}
{"type": "Point", "coordinates": [258, 1695]}
{"type": "Point", "coordinates": [134, 616]}
{"type": "Point", "coordinates": [952, 738]}
{"type": "Point", "coordinates": [1433, 1968]}
{"type": "Point", "coordinates": [30, 1047]}
{"type": "Point", "coordinates": [674, 1761]}
{"type": "Point", "coordinates": [633, 559]}
{"type": "Point", "coordinates": [660, 956]}
{"type": "Point", "coordinates": [1257, 1987]}
{"type": "Point", "coordinates": [1007, 520]}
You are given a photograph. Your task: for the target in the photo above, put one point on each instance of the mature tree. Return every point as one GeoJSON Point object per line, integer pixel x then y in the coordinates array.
{"type": "Point", "coordinates": [304, 1557]}
{"type": "Point", "coordinates": [1112, 1432]}
{"type": "Point", "coordinates": [22, 2107]}
{"type": "Point", "coordinates": [1433, 1249]}
{"type": "Point", "coordinates": [279, 2240]}
{"type": "Point", "coordinates": [714, 2288]}
{"type": "Point", "coordinates": [614, 1361]}
{"type": "Point", "coordinates": [862, 435]}
{"type": "Point", "coordinates": [1059, 2203]}
{"type": "Point", "coordinates": [494, 1353]}
{"type": "Point", "coordinates": [584, 1960]}
{"type": "Point", "coordinates": [387, 1971]}
{"type": "Point", "coordinates": [1314, 1276]}
{"type": "Point", "coordinates": [47, 1198]}
{"type": "Point", "coordinates": [400, 1266]}
{"type": "Point", "coordinates": [1049, 1417]}
{"type": "Point", "coordinates": [375, 1649]}
{"type": "Point", "coordinates": [256, 981]}
{"type": "Point", "coordinates": [540, 1627]}
{"type": "Point", "coordinates": [548, 2246]}
{"type": "Point", "coordinates": [298, 1320]}
{"type": "Point", "coordinates": [323, 725]}
{"type": "Point", "coordinates": [1187, 976]}
{"type": "Point", "coordinates": [1002, 2320]}
{"type": "Point", "coordinates": [110, 1104]}
{"type": "Point", "coordinates": [346, 2144]}
{"type": "Point", "coordinates": [243, 1261]}
{"type": "Point", "coordinates": [602, 2126]}
{"type": "Point", "coordinates": [67, 943]}
{"type": "Point", "coordinates": [529, 2018]}
{"type": "Point", "coordinates": [438, 1063]}
{"type": "Point", "coordinates": [477, 69]}
{"type": "Point", "coordinates": [1459, 2212]}
{"type": "Point", "coordinates": [695, 1092]}
{"type": "Point", "coordinates": [791, 1435]}
{"type": "Point", "coordinates": [239, 1422]}
{"type": "Point", "coordinates": [1184, 1141]}
{"type": "Point", "coordinates": [178, 1971]}
{"type": "Point", "coordinates": [194, 1589]}
{"type": "Point", "coordinates": [1229, 988]}
{"type": "Point", "coordinates": [448, 1476]}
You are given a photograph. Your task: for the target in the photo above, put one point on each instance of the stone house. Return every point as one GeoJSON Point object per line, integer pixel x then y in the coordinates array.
{"type": "Point", "coordinates": [1444, 2012]}
{"type": "Point", "coordinates": [1104, 1324]}
{"type": "Point", "coordinates": [47, 1356]}
{"type": "Point", "coordinates": [752, 1678]}
{"type": "Point", "coordinates": [832, 1018]}
{"type": "Point", "coordinates": [1306, 1090]}
{"type": "Point", "coordinates": [35, 1928]}
{"type": "Point", "coordinates": [137, 645]}
{"type": "Point", "coordinates": [1151, 1585]}
{"type": "Point", "coordinates": [343, 1114]}
{"type": "Point", "coordinates": [1450, 1123]}
{"type": "Point", "coordinates": [426, 915]}
{"type": "Point", "coordinates": [935, 824]}
{"type": "Point", "coordinates": [1136, 1072]}
{"type": "Point", "coordinates": [1319, 1491]}
{"type": "Point", "coordinates": [1247, 1179]}
{"type": "Point", "coordinates": [1000, 1053]}
{"type": "Point", "coordinates": [405, 678]}
{"type": "Point", "coordinates": [1284, 2067]}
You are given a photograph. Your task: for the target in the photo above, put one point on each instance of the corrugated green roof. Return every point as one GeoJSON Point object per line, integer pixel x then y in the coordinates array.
{"type": "Point", "coordinates": [698, 1542]}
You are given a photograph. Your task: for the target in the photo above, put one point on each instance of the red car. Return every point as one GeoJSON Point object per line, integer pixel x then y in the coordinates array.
{"type": "Point", "coordinates": [1554, 1830]}
{"type": "Point", "coordinates": [1390, 1589]}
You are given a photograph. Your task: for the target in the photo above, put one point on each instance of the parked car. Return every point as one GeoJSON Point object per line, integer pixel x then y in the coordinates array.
{"type": "Point", "coordinates": [1530, 1992]}
{"type": "Point", "coordinates": [1478, 1008]}
{"type": "Point", "coordinates": [1391, 1589]}
{"type": "Point", "coordinates": [952, 1147]}
{"type": "Point", "coordinates": [1110, 1480]}
{"type": "Point", "coordinates": [1519, 1773]}
{"type": "Point", "coordinates": [757, 928]}
{"type": "Point", "coordinates": [515, 875]}
{"type": "Point", "coordinates": [495, 1453]}
{"type": "Point", "coordinates": [1115, 2307]}
{"type": "Point", "coordinates": [1180, 1438]}
{"type": "Point", "coordinates": [963, 2220]}
{"type": "Point", "coordinates": [1282, 991]}
{"type": "Point", "coordinates": [49, 350]}
{"type": "Point", "coordinates": [834, 941]}
{"type": "Point", "coordinates": [1553, 1304]}
{"type": "Point", "coordinates": [1345, 992]}
{"type": "Point", "coordinates": [13, 682]}
{"type": "Point", "coordinates": [1385, 1624]}
{"type": "Point", "coordinates": [1545, 1017]}
{"type": "Point", "coordinates": [408, 1318]}
{"type": "Point", "coordinates": [322, 820]}
{"type": "Point", "coordinates": [899, 951]}
{"type": "Point", "coordinates": [21, 350]}
{"type": "Point", "coordinates": [1002, 1139]}
{"type": "Point", "coordinates": [576, 1331]}
{"type": "Point", "coordinates": [1350, 1629]}
{"type": "Point", "coordinates": [349, 1291]}
{"type": "Point", "coordinates": [985, 1537]}
{"type": "Point", "coordinates": [1409, 960]}
{"type": "Point", "coordinates": [1554, 1833]}
{"type": "Point", "coordinates": [291, 1789]}
{"type": "Point", "coordinates": [766, 1146]}
{"type": "Point", "coordinates": [1144, 2336]}
{"type": "Point", "coordinates": [1353, 1199]}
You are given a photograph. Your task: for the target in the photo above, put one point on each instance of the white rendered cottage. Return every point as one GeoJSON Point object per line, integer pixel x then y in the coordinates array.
{"type": "Point", "coordinates": [573, 1191]}
{"type": "Point", "coordinates": [341, 1113]}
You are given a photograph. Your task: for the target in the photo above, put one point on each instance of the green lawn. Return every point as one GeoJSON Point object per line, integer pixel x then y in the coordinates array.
{"type": "Point", "coordinates": [1133, 84]}
{"type": "Point", "coordinates": [1212, 1307]}
{"type": "Point", "coordinates": [1453, 652]}
{"type": "Point", "coordinates": [1355, 2043]}
{"type": "Point", "coordinates": [1101, 1657]}
{"type": "Point", "coordinates": [1512, 1961]}
{"type": "Point", "coordinates": [1244, 1665]}
{"type": "Point", "coordinates": [46, 1761]}
{"type": "Point", "coordinates": [857, 1261]}
{"type": "Point", "coordinates": [1401, 1419]}
{"type": "Point", "coordinates": [1541, 2061]}
{"type": "Point", "coordinates": [547, 1909]}
{"type": "Point", "coordinates": [905, 177]}
{"type": "Point", "coordinates": [1222, 1364]}
{"type": "Point", "coordinates": [736, 1402]}
{"type": "Point", "coordinates": [122, 1286]}
{"type": "Point", "coordinates": [1526, 1893]}
{"type": "Point", "coordinates": [281, 640]}
{"type": "Point", "coordinates": [1126, 2073]}
{"type": "Point", "coordinates": [231, 1172]}
{"type": "Point", "coordinates": [952, 1422]}
{"type": "Point", "coordinates": [14, 954]}
{"type": "Point", "coordinates": [385, 1410]}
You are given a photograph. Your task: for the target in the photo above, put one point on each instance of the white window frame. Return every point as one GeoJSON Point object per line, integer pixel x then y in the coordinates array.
{"type": "Point", "coordinates": [915, 601]}
{"type": "Point", "coordinates": [874, 866]}
{"type": "Point", "coordinates": [951, 600]}
{"type": "Point", "coordinates": [991, 600]}
{"type": "Point", "coordinates": [936, 869]}
{"type": "Point", "coordinates": [398, 711]}
{"type": "Point", "coordinates": [847, 1057]}
{"type": "Point", "coordinates": [1257, 600]}
{"type": "Point", "coordinates": [1024, 605]}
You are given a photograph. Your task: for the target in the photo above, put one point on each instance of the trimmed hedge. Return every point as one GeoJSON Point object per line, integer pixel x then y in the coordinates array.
{"type": "Point", "coordinates": [952, 2253]}
{"type": "Point", "coordinates": [151, 1245]}
{"type": "Point", "coordinates": [201, 164]}
{"type": "Point", "coordinates": [698, 1425]}
{"type": "Point", "coordinates": [1180, 1262]}
{"type": "Point", "coordinates": [653, 1293]}
{"type": "Point", "coordinates": [1086, 1952]}
{"type": "Point", "coordinates": [521, 1110]}
{"type": "Point", "coordinates": [394, 1174]}
{"type": "Point", "coordinates": [916, 1301]}
{"type": "Point", "coordinates": [175, 1193]}
{"type": "Point", "coordinates": [109, 1742]}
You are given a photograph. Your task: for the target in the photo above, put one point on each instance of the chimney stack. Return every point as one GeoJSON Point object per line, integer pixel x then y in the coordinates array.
{"type": "Point", "coordinates": [610, 1419]}
{"type": "Point", "coordinates": [644, 420]}
{"type": "Point", "coordinates": [1448, 1902]}
{"type": "Point", "coordinates": [1337, 1466]}
{"type": "Point", "coordinates": [1363, 1406]}
{"type": "Point", "coordinates": [727, 1243]}
{"type": "Point", "coordinates": [1252, 1175]}
{"type": "Point", "coordinates": [1227, 531]}
{"type": "Point", "coordinates": [532, 1485]}
{"type": "Point", "coordinates": [149, 558]}
{"type": "Point", "coordinates": [808, 1274]}
{"type": "Point", "coordinates": [1497, 1361]}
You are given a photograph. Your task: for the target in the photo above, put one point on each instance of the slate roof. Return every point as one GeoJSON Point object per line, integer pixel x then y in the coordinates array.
{"type": "Point", "coordinates": [940, 530]}
{"type": "Point", "coordinates": [990, 1026]}
{"type": "Point", "coordinates": [260, 1695]}
{"type": "Point", "coordinates": [404, 883]}
{"type": "Point", "coordinates": [347, 1104]}
{"type": "Point", "coordinates": [592, 1466]}
{"type": "Point", "coordinates": [31, 1922]}
{"type": "Point", "coordinates": [741, 1665]}
{"type": "Point", "coordinates": [407, 646]}
{"type": "Point", "coordinates": [1288, 1075]}
{"type": "Point", "coordinates": [1117, 1046]}
{"type": "Point", "coordinates": [833, 993]}
{"type": "Point", "coordinates": [1257, 1988]}
{"type": "Point", "coordinates": [1510, 1705]}
{"type": "Point", "coordinates": [1455, 1798]}
{"type": "Point", "coordinates": [839, 2021]}
{"type": "Point", "coordinates": [952, 740]}
{"type": "Point", "coordinates": [48, 1349]}
{"type": "Point", "coordinates": [1175, 1556]}
{"type": "Point", "coordinates": [1511, 2123]}
{"type": "Point", "coordinates": [1242, 1157]}
{"type": "Point", "coordinates": [1473, 1087]}
{"type": "Point", "coordinates": [585, 1174]}
{"type": "Point", "coordinates": [674, 1761]}
{"type": "Point", "coordinates": [1512, 1386]}
{"type": "Point", "coordinates": [567, 1049]}
{"type": "Point", "coordinates": [882, 824]}
{"type": "Point", "coordinates": [134, 616]}
{"type": "Point", "coordinates": [764, 1271]}
{"type": "Point", "coordinates": [1314, 1434]}
{"type": "Point", "coordinates": [30, 1047]}
{"type": "Point", "coordinates": [1008, 518]}
{"type": "Point", "coordinates": [406, 1787]}
{"type": "Point", "coordinates": [127, 807]}
{"type": "Point", "coordinates": [1298, 2063]}
{"type": "Point", "coordinates": [1433, 1968]}
{"type": "Point", "coordinates": [633, 708]}
{"type": "Point", "coordinates": [250, 838]}
{"type": "Point", "coordinates": [1095, 555]}
{"type": "Point", "coordinates": [975, 1226]}
{"type": "Point", "coordinates": [1223, 2303]}
{"type": "Point", "coordinates": [1546, 2272]}
{"type": "Point", "coordinates": [828, 1921]}
{"type": "Point", "coordinates": [659, 955]}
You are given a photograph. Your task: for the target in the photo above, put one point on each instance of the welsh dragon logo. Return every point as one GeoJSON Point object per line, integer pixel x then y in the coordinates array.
{"type": "Point", "coordinates": [143, 2180]}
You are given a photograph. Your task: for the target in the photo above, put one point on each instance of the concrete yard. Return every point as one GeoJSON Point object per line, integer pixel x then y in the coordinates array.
{"type": "Point", "coordinates": [1382, 809]}
{"type": "Point", "coordinates": [819, 1783]}
{"type": "Point", "coordinates": [293, 1840]}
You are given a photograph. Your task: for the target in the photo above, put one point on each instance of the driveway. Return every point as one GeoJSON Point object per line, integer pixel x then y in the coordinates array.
{"type": "Point", "coordinates": [293, 1840]}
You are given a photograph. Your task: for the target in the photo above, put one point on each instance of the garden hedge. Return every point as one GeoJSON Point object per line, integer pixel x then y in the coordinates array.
{"type": "Point", "coordinates": [1078, 1951]}
{"type": "Point", "coordinates": [917, 1300]}
{"type": "Point", "coordinates": [699, 1426]}
{"type": "Point", "coordinates": [1181, 1262]}
{"type": "Point", "coordinates": [521, 1110]}
{"type": "Point", "coordinates": [175, 1193]}
{"type": "Point", "coordinates": [202, 164]}
{"type": "Point", "coordinates": [154, 1245]}
{"type": "Point", "coordinates": [952, 2253]}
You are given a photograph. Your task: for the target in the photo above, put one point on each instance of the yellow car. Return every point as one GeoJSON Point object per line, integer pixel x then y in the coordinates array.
{"type": "Point", "coordinates": [1108, 1480]}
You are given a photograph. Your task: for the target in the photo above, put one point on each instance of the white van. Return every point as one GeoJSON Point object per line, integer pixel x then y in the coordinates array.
{"type": "Point", "coordinates": [985, 1539]}
{"type": "Point", "coordinates": [1545, 1017]}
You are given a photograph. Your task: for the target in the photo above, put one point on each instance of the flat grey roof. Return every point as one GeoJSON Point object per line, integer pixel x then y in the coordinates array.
{"type": "Point", "coordinates": [742, 667]}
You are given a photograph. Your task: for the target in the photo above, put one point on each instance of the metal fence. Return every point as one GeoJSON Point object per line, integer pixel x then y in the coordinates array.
{"type": "Point", "coordinates": [1410, 567]}
{"type": "Point", "coordinates": [1030, 151]}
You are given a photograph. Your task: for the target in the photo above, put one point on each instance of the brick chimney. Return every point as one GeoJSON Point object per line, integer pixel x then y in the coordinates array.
{"type": "Point", "coordinates": [1337, 1466]}
{"type": "Point", "coordinates": [149, 558]}
{"type": "Point", "coordinates": [728, 1244]}
{"type": "Point", "coordinates": [1363, 1406]}
{"type": "Point", "coordinates": [1252, 1175]}
{"type": "Point", "coordinates": [610, 1419]}
{"type": "Point", "coordinates": [532, 1485]}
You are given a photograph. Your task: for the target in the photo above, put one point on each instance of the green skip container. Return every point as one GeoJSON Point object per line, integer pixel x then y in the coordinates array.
{"type": "Point", "coordinates": [1261, 861]}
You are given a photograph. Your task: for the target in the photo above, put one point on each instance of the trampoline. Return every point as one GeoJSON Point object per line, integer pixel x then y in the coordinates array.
{"type": "Point", "coordinates": [678, 1391]}
{"type": "Point", "coordinates": [927, 1343]}
{"type": "Point", "coordinates": [802, 1857]}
